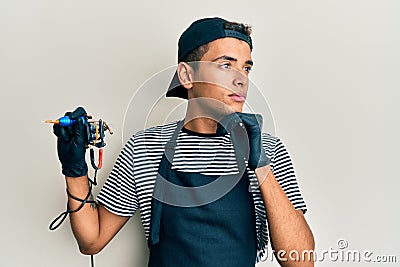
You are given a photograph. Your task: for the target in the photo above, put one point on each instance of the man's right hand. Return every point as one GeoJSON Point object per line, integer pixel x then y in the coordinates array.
{"type": "Point", "coordinates": [71, 144]}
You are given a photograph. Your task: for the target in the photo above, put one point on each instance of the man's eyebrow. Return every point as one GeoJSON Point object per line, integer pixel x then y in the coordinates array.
{"type": "Point", "coordinates": [226, 58]}
{"type": "Point", "coordinates": [250, 62]}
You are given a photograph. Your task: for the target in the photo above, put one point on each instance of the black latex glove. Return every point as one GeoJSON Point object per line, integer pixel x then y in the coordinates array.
{"type": "Point", "coordinates": [71, 144]}
{"type": "Point", "coordinates": [247, 142]}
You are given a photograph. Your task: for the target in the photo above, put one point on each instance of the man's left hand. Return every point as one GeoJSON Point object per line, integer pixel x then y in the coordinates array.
{"type": "Point", "coordinates": [253, 125]}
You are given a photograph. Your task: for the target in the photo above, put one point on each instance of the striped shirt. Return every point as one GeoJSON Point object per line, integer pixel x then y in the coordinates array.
{"type": "Point", "coordinates": [131, 181]}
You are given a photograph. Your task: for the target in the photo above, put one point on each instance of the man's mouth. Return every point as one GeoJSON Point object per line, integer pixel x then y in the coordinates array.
{"type": "Point", "coordinates": [237, 97]}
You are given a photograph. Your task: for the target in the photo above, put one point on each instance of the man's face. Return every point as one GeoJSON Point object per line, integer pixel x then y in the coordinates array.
{"type": "Point", "coordinates": [222, 76]}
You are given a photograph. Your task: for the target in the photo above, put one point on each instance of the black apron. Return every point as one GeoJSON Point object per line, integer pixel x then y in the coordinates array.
{"type": "Point", "coordinates": [192, 228]}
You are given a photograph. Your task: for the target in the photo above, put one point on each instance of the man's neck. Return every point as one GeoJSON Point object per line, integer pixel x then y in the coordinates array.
{"type": "Point", "coordinates": [202, 115]}
{"type": "Point", "coordinates": [201, 125]}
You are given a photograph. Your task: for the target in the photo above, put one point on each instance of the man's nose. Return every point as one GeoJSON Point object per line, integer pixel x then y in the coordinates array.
{"type": "Point", "coordinates": [240, 79]}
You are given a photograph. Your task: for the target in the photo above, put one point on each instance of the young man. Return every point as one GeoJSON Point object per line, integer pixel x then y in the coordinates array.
{"type": "Point", "coordinates": [210, 187]}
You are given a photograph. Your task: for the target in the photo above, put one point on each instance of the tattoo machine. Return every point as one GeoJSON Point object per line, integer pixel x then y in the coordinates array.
{"type": "Point", "coordinates": [95, 133]}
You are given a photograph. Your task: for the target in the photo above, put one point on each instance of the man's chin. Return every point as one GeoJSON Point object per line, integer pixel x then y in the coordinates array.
{"type": "Point", "coordinates": [236, 108]}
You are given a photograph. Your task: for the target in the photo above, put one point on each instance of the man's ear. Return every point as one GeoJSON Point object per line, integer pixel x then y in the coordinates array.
{"type": "Point", "coordinates": [185, 74]}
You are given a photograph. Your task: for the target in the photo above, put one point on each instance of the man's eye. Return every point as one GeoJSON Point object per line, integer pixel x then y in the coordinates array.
{"type": "Point", "coordinates": [226, 65]}
{"type": "Point", "coordinates": [247, 68]}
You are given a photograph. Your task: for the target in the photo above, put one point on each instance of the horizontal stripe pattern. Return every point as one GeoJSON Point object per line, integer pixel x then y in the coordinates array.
{"type": "Point", "coordinates": [130, 185]}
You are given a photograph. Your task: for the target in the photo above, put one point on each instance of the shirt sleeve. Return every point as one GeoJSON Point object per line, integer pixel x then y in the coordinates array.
{"type": "Point", "coordinates": [282, 167]}
{"type": "Point", "coordinates": [118, 195]}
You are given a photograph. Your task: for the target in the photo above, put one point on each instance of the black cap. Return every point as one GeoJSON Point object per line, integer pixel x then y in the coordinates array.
{"type": "Point", "coordinates": [201, 32]}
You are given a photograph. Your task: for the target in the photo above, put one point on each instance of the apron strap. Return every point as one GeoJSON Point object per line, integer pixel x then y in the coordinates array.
{"type": "Point", "coordinates": [169, 149]}
{"type": "Point", "coordinates": [156, 206]}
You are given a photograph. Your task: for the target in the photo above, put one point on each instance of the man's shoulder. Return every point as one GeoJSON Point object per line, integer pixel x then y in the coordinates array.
{"type": "Point", "coordinates": [272, 144]}
{"type": "Point", "coordinates": [269, 139]}
{"type": "Point", "coordinates": [157, 133]}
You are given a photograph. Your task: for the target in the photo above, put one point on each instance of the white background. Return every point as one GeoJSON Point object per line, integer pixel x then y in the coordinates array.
{"type": "Point", "coordinates": [329, 70]}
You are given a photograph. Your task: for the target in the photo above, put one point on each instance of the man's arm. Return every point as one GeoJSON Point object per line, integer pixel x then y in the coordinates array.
{"type": "Point", "coordinates": [93, 226]}
{"type": "Point", "coordinates": [288, 228]}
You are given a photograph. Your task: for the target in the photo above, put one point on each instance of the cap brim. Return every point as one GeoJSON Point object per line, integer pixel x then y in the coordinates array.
{"type": "Point", "coordinates": [176, 89]}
